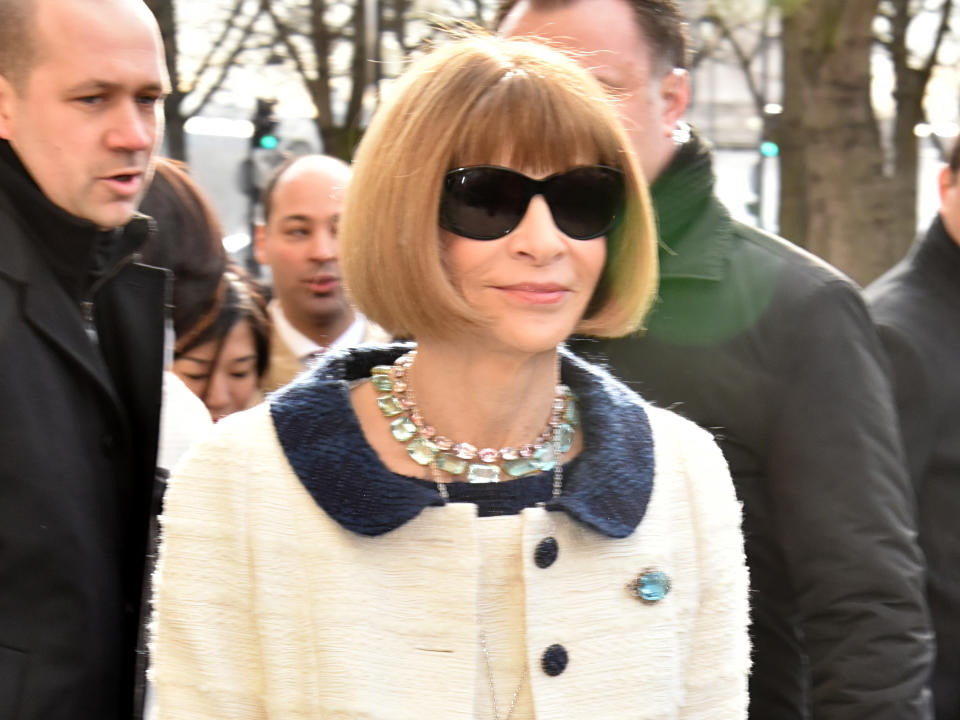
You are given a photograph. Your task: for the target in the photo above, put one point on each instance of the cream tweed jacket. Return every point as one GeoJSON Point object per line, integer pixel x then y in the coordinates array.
{"type": "Point", "coordinates": [267, 606]}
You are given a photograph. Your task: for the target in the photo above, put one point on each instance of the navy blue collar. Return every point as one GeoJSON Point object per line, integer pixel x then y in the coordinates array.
{"type": "Point", "coordinates": [607, 487]}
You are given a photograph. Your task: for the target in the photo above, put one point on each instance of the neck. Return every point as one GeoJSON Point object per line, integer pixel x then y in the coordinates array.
{"type": "Point", "coordinates": [323, 331]}
{"type": "Point", "coordinates": [488, 399]}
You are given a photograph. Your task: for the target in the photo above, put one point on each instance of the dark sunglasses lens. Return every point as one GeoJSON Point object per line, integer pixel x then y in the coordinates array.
{"type": "Point", "coordinates": [586, 202]}
{"type": "Point", "coordinates": [483, 203]}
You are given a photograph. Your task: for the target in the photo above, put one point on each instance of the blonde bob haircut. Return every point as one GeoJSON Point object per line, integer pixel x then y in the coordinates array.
{"type": "Point", "coordinates": [472, 101]}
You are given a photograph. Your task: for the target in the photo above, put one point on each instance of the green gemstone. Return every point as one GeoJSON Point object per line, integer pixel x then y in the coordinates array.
{"type": "Point", "coordinates": [483, 473]}
{"type": "Point", "coordinates": [520, 466]}
{"type": "Point", "coordinates": [403, 428]}
{"type": "Point", "coordinates": [389, 405]}
{"type": "Point", "coordinates": [451, 464]}
{"type": "Point", "coordinates": [383, 383]}
{"type": "Point", "coordinates": [422, 451]}
{"type": "Point", "coordinates": [380, 370]}
{"type": "Point", "coordinates": [572, 414]}
{"type": "Point", "coordinates": [563, 436]}
{"type": "Point", "coordinates": [545, 457]}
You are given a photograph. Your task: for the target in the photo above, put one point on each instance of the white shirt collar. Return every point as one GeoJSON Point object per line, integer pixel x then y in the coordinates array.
{"type": "Point", "coordinates": [303, 347]}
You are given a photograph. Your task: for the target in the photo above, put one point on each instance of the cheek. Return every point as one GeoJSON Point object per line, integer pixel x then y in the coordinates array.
{"type": "Point", "coordinates": [243, 389]}
{"type": "Point", "coordinates": [195, 386]}
{"type": "Point", "coordinates": [592, 260]}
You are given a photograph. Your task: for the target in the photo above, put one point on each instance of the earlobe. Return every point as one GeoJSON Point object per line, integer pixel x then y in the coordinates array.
{"type": "Point", "coordinates": [7, 97]}
{"type": "Point", "coordinates": [675, 91]}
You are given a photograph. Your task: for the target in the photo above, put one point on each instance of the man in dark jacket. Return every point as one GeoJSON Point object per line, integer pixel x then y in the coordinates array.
{"type": "Point", "coordinates": [774, 351]}
{"type": "Point", "coordinates": [81, 351]}
{"type": "Point", "coordinates": [916, 306]}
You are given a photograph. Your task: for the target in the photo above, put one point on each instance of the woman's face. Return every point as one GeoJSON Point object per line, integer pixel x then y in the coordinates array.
{"type": "Point", "coordinates": [534, 283]}
{"type": "Point", "coordinates": [226, 383]}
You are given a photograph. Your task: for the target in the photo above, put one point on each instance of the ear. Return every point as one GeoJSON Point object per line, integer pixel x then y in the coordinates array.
{"type": "Point", "coordinates": [675, 94]}
{"type": "Point", "coordinates": [947, 183]}
{"type": "Point", "coordinates": [8, 98]}
{"type": "Point", "coordinates": [260, 243]}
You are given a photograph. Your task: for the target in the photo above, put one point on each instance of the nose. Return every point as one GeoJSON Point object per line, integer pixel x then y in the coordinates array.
{"type": "Point", "coordinates": [217, 395]}
{"type": "Point", "coordinates": [323, 245]}
{"type": "Point", "coordinates": [537, 236]}
{"type": "Point", "coordinates": [133, 127]}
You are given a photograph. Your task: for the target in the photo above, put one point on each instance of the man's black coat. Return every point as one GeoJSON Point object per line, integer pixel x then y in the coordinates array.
{"type": "Point", "coordinates": [78, 435]}
{"type": "Point", "coordinates": [916, 306]}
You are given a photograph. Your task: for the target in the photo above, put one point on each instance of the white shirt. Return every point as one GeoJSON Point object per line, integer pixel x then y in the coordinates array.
{"type": "Point", "coordinates": [305, 348]}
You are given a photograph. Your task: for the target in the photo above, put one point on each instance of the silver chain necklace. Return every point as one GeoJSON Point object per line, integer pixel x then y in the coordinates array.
{"type": "Point", "coordinates": [493, 690]}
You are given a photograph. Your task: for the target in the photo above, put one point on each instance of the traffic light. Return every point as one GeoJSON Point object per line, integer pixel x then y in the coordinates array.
{"type": "Point", "coordinates": [264, 126]}
{"type": "Point", "coordinates": [770, 142]}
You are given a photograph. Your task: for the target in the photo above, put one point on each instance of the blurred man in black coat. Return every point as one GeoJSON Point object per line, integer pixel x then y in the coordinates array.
{"type": "Point", "coordinates": [916, 306]}
{"type": "Point", "coordinates": [81, 350]}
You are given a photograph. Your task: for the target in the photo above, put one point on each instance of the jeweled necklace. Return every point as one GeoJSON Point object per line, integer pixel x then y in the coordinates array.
{"type": "Point", "coordinates": [485, 465]}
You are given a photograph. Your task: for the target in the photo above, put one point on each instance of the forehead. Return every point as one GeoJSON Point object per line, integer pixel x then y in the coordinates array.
{"type": "Point", "coordinates": [310, 189]}
{"type": "Point", "coordinates": [604, 35]}
{"type": "Point", "coordinates": [75, 44]}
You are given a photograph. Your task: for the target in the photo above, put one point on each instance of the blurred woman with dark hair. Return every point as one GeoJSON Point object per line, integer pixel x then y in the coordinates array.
{"type": "Point", "coordinates": [224, 354]}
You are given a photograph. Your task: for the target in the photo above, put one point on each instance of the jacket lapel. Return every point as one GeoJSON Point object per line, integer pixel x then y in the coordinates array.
{"type": "Point", "coordinates": [48, 307]}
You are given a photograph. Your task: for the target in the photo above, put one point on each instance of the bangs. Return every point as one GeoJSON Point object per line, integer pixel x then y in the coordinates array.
{"type": "Point", "coordinates": [530, 122]}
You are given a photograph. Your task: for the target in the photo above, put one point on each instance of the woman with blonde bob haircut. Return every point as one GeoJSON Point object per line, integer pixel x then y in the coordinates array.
{"type": "Point", "coordinates": [460, 110]}
{"type": "Point", "coordinates": [477, 524]}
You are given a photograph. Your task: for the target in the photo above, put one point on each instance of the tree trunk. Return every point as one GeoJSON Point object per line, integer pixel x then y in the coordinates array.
{"type": "Point", "coordinates": [836, 200]}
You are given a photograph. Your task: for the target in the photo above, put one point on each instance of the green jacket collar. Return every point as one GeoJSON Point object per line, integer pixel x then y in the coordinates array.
{"type": "Point", "coordinates": [696, 230]}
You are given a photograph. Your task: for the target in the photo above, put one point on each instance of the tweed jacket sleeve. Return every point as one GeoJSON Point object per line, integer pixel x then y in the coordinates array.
{"type": "Point", "coordinates": [203, 584]}
{"type": "Point", "coordinates": [716, 683]}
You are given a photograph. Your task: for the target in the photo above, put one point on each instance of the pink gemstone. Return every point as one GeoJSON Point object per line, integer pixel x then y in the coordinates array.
{"type": "Point", "coordinates": [526, 451]}
{"type": "Point", "coordinates": [399, 386]}
{"type": "Point", "coordinates": [417, 418]}
{"type": "Point", "coordinates": [488, 455]}
{"type": "Point", "coordinates": [399, 372]}
{"type": "Point", "coordinates": [509, 453]}
{"type": "Point", "coordinates": [444, 443]}
{"type": "Point", "coordinates": [465, 451]}
{"type": "Point", "coordinates": [428, 431]}
{"type": "Point", "coordinates": [407, 402]}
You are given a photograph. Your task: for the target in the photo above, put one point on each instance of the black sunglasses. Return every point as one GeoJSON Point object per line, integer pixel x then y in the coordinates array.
{"type": "Point", "coordinates": [486, 202]}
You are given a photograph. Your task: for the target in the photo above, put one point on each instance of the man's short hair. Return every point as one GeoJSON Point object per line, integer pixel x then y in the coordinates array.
{"type": "Point", "coordinates": [660, 21]}
{"type": "Point", "coordinates": [955, 157]}
{"type": "Point", "coordinates": [483, 100]}
{"type": "Point", "coordinates": [17, 40]}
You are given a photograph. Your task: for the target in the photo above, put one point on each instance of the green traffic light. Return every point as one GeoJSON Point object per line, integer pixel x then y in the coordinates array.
{"type": "Point", "coordinates": [768, 148]}
{"type": "Point", "coordinates": [269, 142]}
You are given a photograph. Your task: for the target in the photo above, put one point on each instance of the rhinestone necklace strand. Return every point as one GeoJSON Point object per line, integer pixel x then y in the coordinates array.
{"type": "Point", "coordinates": [442, 454]}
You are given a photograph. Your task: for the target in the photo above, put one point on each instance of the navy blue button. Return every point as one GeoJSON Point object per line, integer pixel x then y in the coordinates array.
{"type": "Point", "coordinates": [546, 552]}
{"type": "Point", "coordinates": [554, 660]}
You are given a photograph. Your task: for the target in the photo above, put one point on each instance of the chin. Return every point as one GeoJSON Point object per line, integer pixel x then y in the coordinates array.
{"type": "Point", "coordinates": [109, 218]}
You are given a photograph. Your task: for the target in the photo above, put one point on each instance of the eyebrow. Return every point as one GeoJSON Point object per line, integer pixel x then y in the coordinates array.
{"type": "Point", "coordinates": [245, 358]}
{"type": "Point", "coordinates": [295, 218]}
{"type": "Point", "coordinates": [107, 86]}
{"type": "Point", "coordinates": [197, 360]}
